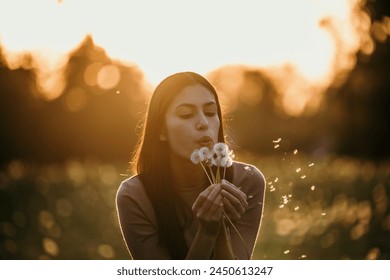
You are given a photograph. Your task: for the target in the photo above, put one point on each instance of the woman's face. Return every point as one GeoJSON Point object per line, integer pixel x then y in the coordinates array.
{"type": "Point", "coordinates": [191, 121]}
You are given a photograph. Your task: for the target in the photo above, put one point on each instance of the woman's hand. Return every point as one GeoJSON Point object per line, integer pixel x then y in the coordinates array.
{"type": "Point", "coordinates": [208, 208]}
{"type": "Point", "coordinates": [234, 200]}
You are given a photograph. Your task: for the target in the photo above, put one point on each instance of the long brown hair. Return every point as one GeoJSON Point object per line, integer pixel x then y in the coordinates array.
{"type": "Point", "coordinates": [150, 162]}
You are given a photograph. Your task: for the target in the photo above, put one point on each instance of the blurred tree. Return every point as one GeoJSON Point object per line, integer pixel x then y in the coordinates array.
{"type": "Point", "coordinates": [357, 114]}
{"type": "Point", "coordinates": [19, 128]}
{"type": "Point", "coordinates": [95, 116]}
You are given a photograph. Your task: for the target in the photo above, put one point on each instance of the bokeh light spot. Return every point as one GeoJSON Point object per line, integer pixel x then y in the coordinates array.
{"type": "Point", "coordinates": [64, 207]}
{"type": "Point", "coordinates": [10, 246]}
{"type": "Point", "coordinates": [108, 77]}
{"type": "Point", "coordinates": [373, 254]}
{"type": "Point", "coordinates": [46, 219]}
{"type": "Point", "coordinates": [106, 251]}
{"type": "Point", "coordinates": [50, 247]}
{"type": "Point", "coordinates": [91, 73]}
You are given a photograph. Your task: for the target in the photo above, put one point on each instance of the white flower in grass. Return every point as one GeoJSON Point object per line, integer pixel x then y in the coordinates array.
{"type": "Point", "coordinates": [195, 157]}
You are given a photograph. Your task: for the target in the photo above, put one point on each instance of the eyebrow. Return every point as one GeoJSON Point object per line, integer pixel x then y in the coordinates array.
{"type": "Point", "coordinates": [192, 105]}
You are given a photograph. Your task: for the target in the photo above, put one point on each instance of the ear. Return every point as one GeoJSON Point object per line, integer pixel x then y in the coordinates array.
{"type": "Point", "coordinates": [162, 136]}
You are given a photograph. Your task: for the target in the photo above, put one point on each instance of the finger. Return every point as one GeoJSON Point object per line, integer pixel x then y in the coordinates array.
{"type": "Point", "coordinates": [226, 185]}
{"type": "Point", "coordinates": [217, 205]}
{"type": "Point", "coordinates": [233, 213]}
{"type": "Point", "coordinates": [236, 203]}
{"type": "Point", "coordinates": [201, 199]}
{"type": "Point", "coordinates": [211, 199]}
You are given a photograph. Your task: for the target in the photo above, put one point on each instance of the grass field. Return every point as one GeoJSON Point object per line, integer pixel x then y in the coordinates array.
{"type": "Point", "coordinates": [329, 208]}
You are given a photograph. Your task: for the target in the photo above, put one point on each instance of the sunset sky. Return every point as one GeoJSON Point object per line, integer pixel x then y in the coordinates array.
{"type": "Point", "coordinates": [315, 38]}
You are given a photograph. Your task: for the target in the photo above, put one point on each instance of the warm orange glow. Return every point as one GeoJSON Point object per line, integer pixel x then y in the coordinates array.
{"type": "Point", "coordinates": [108, 77]}
{"type": "Point", "coordinates": [316, 40]}
{"type": "Point", "coordinates": [76, 99]}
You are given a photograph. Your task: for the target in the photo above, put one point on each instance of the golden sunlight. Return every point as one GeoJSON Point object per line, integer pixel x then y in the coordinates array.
{"type": "Point", "coordinates": [303, 44]}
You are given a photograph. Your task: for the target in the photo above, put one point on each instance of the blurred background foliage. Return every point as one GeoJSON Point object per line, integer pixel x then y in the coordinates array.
{"type": "Point", "coordinates": [327, 170]}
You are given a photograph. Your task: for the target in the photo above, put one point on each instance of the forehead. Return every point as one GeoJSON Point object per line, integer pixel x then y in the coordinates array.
{"type": "Point", "coordinates": [196, 95]}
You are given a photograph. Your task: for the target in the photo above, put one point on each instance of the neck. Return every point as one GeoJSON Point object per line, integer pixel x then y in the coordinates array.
{"type": "Point", "coordinates": [187, 175]}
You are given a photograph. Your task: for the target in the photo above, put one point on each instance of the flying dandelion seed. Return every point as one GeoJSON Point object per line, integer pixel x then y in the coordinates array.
{"type": "Point", "coordinates": [303, 176]}
{"type": "Point", "coordinates": [285, 198]}
{"type": "Point", "coordinates": [311, 164]}
{"type": "Point", "coordinates": [296, 208]}
{"type": "Point", "coordinates": [313, 187]}
{"type": "Point", "coordinates": [286, 252]}
{"type": "Point", "coordinates": [276, 180]}
{"type": "Point", "coordinates": [281, 205]}
{"type": "Point", "coordinates": [272, 189]}
{"type": "Point", "coordinates": [118, 92]}
{"type": "Point", "coordinates": [295, 151]}
{"type": "Point", "coordinates": [277, 140]}
{"type": "Point", "coordinates": [298, 170]}
{"type": "Point", "coordinates": [323, 214]}
{"type": "Point", "coordinates": [303, 257]}
{"type": "Point", "coordinates": [276, 146]}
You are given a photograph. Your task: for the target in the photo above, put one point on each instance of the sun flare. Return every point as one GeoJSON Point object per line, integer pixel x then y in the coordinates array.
{"type": "Point", "coordinates": [316, 39]}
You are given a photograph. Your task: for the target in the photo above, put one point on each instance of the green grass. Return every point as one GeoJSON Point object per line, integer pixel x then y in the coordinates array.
{"type": "Point", "coordinates": [333, 208]}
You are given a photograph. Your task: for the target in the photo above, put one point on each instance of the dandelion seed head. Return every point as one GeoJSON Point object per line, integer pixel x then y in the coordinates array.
{"type": "Point", "coordinates": [205, 154]}
{"type": "Point", "coordinates": [195, 158]}
{"type": "Point", "coordinates": [221, 149]}
{"type": "Point", "coordinates": [226, 161]}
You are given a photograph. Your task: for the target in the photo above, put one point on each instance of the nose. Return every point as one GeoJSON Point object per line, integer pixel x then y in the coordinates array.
{"type": "Point", "coordinates": [202, 123]}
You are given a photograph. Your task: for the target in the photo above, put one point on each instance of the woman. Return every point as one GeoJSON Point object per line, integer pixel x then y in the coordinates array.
{"type": "Point", "coordinates": [169, 209]}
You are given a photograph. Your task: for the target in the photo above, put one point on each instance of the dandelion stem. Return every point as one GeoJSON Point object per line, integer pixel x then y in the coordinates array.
{"type": "Point", "coordinates": [238, 232]}
{"type": "Point", "coordinates": [208, 177]}
{"type": "Point", "coordinates": [212, 174]}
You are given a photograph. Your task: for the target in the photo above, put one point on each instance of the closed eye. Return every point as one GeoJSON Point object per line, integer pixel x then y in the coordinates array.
{"type": "Point", "coordinates": [210, 114]}
{"type": "Point", "coordinates": [185, 116]}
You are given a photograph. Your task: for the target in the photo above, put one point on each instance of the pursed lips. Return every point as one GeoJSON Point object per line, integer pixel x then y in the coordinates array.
{"type": "Point", "coordinates": [205, 141]}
